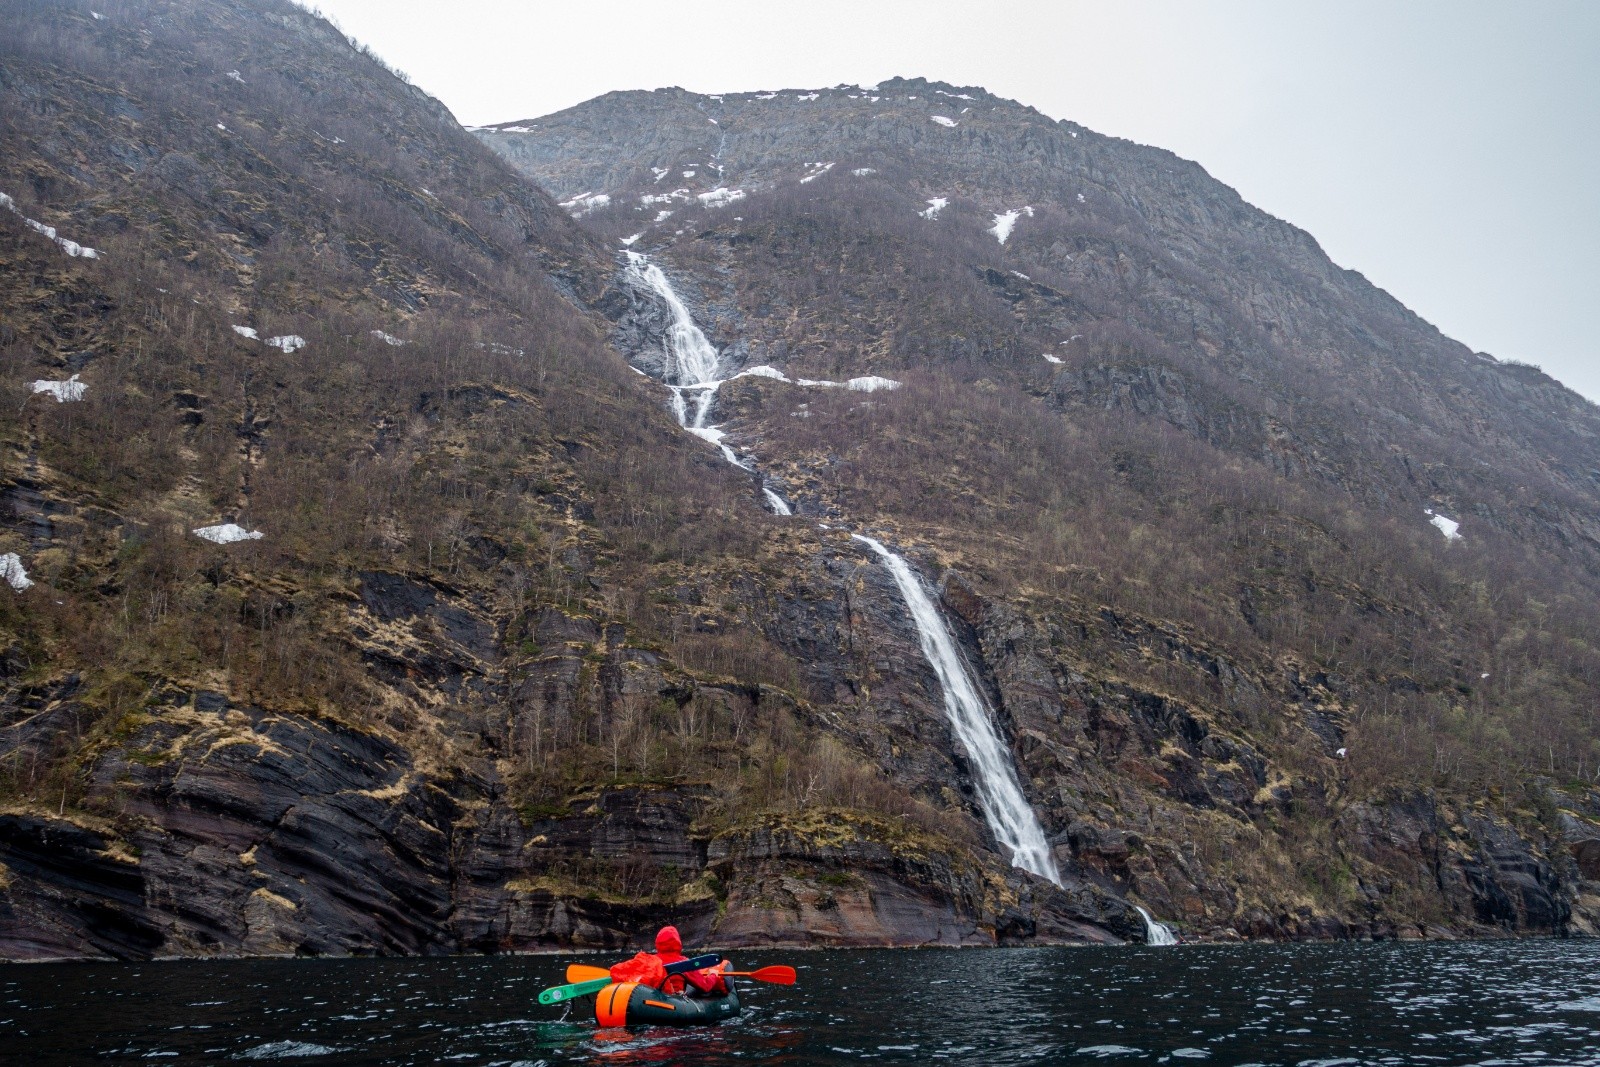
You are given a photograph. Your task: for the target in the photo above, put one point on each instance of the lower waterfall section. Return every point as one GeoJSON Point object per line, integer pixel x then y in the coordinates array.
{"type": "Point", "coordinates": [1006, 809]}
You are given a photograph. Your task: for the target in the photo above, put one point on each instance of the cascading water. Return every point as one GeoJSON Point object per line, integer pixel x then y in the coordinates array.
{"type": "Point", "coordinates": [690, 369]}
{"type": "Point", "coordinates": [1155, 933]}
{"type": "Point", "coordinates": [1000, 795]}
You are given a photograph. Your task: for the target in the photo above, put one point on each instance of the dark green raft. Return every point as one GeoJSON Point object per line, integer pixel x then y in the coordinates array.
{"type": "Point", "coordinates": [633, 1004]}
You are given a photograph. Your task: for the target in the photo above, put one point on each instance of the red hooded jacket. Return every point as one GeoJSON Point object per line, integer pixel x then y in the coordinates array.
{"type": "Point", "coordinates": [669, 949]}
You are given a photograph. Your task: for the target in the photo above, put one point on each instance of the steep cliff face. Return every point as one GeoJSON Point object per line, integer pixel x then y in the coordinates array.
{"type": "Point", "coordinates": [518, 663]}
{"type": "Point", "coordinates": [1201, 486]}
{"type": "Point", "coordinates": [477, 685]}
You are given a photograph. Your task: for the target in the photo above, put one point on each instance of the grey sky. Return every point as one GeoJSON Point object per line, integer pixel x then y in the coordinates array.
{"type": "Point", "coordinates": [1447, 149]}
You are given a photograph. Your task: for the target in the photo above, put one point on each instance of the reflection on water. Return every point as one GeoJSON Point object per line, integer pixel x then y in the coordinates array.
{"type": "Point", "coordinates": [1534, 1002]}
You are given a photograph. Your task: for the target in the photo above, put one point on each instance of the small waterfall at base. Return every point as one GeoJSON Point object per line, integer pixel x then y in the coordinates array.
{"type": "Point", "coordinates": [1155, 933]}
{"type": "Point", "coordinates": [1005, 808]}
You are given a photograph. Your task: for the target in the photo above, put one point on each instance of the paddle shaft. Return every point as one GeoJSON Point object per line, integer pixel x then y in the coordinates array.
{"type": "Point", "coordinates": [557, 994]}
{"type": "Point", "coordinates": [778, 975]}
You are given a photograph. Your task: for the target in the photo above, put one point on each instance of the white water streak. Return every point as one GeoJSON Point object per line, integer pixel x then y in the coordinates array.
{"type": "Point", "coordinates": [689, 368]}
{"type": "Point", "coordinates": [1155, 933]}
{"type": "Point", "coordinates": [1005, 808]}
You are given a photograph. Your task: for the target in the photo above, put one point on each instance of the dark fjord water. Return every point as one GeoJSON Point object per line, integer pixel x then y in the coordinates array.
{"type": "Point", "coordinates": [1529, 1002]}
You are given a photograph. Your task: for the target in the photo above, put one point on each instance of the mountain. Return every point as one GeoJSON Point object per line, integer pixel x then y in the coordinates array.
{"type": "Point", "coordinates": [517, 662]}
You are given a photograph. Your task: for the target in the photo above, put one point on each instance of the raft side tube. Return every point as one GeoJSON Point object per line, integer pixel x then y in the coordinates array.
{"type": "Point", "coordinates": [634, 1004]}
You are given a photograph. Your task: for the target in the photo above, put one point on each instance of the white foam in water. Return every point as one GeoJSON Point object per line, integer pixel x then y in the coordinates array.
{"type": "Point", "coordinates": [1155, 933]}
{"type": "Point", "coordinates": [280, 1050]}
{"type": "Point", "coordinates": [1009, 815]}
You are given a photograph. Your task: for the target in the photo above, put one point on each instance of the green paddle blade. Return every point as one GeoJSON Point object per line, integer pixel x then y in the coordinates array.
{"type": "Point", "coordinates": [556, 994]}
{"type": "Point", "coordinates": [559, 993]}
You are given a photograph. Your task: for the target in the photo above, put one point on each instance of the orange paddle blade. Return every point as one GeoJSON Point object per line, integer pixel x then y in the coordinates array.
{"type": "Point", "coordinates": [582, 972]}
{"type": "Point", "coordinates": [775, 975]}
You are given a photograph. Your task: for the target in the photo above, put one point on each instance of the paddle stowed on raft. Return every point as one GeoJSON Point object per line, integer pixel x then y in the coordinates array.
{"type": "Point", "coordinates": [641, 1004]}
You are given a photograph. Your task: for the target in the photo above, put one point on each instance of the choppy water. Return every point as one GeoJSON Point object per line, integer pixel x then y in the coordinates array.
{"type": "Point", "coordinates": [1531, 1002]}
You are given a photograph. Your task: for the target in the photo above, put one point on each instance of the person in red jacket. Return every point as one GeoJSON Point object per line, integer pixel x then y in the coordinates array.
{"type": "Point", "coordinates": [707, 982]}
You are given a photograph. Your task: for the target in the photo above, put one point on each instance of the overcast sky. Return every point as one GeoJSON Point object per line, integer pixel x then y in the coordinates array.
{"type": "Point", "coordinates": [1447, 149]}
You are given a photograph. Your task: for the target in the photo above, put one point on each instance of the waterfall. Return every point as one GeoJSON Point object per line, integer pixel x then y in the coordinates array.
{"type": "Point", "coordinates": [1155, 933]}
{"type": "Point", "coordinates": [689, 368]}
{"type": "Point", "coordinates": [691, 358]}
{"type": "Point", "coordinates": [1000, 795]}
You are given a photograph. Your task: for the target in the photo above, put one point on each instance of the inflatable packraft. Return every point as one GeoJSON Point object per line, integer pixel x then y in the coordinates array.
{"type": "Point", "coordinates": [636, 1004]}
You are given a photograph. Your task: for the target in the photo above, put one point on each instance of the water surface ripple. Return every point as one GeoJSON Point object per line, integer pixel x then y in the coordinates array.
{"type": "Point", "coordinates": [1527, 1002]}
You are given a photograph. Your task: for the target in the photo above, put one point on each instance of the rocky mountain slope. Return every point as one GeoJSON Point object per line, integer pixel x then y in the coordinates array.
{"type": "Point", "coordinates": [1160, 427]}
{"type": "Point", "coordinates": [515, 662]}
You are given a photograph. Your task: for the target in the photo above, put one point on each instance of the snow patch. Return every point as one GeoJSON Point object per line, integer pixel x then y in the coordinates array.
{"type": "Point", "coordinates": [97, 16]}
{"type": "Point", "coordinates": [665, 198]}
{"type": "Point", "coordinates": [236, 76]}
{"type": "Point", "coordinates": [766, 96]}
{"type": "Point", "coordinates": [1449, 527]}
{"type": "Point", "coordinates": [15, 574]}
{"type": "Point", "coordinates": [389, 339]}
{"type": "Point", "coordinates": [227, 533]}
{"type": "Point", "coordinates": [818, 170]}
{"type": "Point", "coordinates": [945, 120]}
{"type": "Point", "coordinates": [659, 172]}
{"type": "Point", "coordinates": [720, 197]}
{"type": "Point", "coordinates": [807, 96]}
{"type": "Point", "coordinates": [1081, 199]}
{"type": "Point", "coordinates": [247, 331]}
{"type": "Point", "coordinates": [663, 216]}
{"type": "Point", "coordinates": [862, 172]}
{"type": "Point", "coordinates": [585, 202]}
{"type": "Point", "coordinates": [1004, 223]}
{"type": "Point", "coordinates": [289, 342]}
{"type": "Point", "coordinates": [956, 96]}
{"type": "Point", "coordinates": [689, 173]}
{"type": "Point", "coordinates": [1021, 275]}
{"type": "Point", "coordinates": [628, 241]}
{"type": "Point", "coordinates": [936, 205]}
{"type": "Point", "coordinates": [71, 248]}
{"type": "Point", "coordinates": [516, 129]}
{"type": "Point", "coordinates": [871, 384]}
{"type": "Point", "coordinates": [71, 389]}
{"type": "Point", "coordinates": [1051, 359]}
